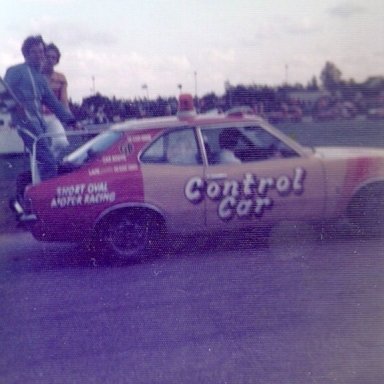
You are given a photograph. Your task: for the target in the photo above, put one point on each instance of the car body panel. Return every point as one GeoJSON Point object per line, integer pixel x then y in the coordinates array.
{"type": "Point", "coordinates": [198, 195]}
{"type": "Point", "coordinates": [348, 170]}
{"type": "Point", "coordinates": [165, 189]}
{"type": "Point", "coordinates": [265, 191]}
{"type": "Point", "coordinates": [68, 206]}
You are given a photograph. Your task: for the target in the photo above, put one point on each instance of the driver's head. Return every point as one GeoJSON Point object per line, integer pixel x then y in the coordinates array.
{"type": "Point", "coordinates": [228, 138]}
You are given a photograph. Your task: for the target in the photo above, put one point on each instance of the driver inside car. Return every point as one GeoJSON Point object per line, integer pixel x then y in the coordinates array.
{"type": "Point", "coordinates": [228, 140]}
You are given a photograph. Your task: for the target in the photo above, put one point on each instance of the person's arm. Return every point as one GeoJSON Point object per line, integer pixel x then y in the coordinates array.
{"type": "Point", "coordinates": [12, 78]}
{"type": "Point", "coordinates": [64, 91]}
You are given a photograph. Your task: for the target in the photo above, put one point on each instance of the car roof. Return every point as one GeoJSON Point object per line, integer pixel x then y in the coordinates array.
{"type": "Point", "coordinates": [169, 122]}
{"type": "Point", "coordinates": [175, 121]}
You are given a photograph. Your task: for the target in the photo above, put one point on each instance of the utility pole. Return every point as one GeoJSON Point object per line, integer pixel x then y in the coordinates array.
{"type": "Point", "coordinates": [196, 99]}
{"type": "Point", "coordinates": [145, 86]}
{"type": "Point", "coordinates": [93, 89]}
{"type": "Point", "coordinates": [286, 74]}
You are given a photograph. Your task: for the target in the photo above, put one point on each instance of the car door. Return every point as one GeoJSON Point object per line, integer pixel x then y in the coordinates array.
{"type": "Point", "coordinates": [264, 180]}
{"type": "Point", "coordinates": [167, 165]}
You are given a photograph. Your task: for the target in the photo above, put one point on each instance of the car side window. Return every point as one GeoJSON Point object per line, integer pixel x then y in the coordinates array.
{"type": "Point", "coordinates": [154, 153]}
{"type": "Point", "coordinates": [220, 145]}
{"type": "Point", "coordinates": [177, 147]}
{"type": "Point", "coordinates": [263, 145]}
{"type": "Point", "coordinates": [235, 145]}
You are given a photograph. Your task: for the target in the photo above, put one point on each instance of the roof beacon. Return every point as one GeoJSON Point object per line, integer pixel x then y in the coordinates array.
{"type": "Point", "coordinates": [186, 108]}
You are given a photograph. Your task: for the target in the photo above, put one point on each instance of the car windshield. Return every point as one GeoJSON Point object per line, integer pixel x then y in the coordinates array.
{"type": "Point", "coordinates": [92, 148]}
{"type": "Point", "coordinates": [262, 139]}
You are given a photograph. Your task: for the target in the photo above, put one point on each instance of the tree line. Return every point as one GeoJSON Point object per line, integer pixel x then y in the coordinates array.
{"type": "Point", "coordinates": [363, 96]}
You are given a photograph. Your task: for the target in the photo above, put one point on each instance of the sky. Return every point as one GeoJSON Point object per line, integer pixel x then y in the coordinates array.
{"type": "Point", "coordinates": [114, 47]}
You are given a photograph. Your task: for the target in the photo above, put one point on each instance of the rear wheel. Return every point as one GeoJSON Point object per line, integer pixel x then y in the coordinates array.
{"type": "Point", "coordinates": [129, 235]}
{"type": "Point", "coordinates": [366, 209]}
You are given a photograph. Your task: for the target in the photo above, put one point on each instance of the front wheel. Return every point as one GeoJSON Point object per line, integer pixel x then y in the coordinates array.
{"type": "Point", "coordinates": [128, 236]}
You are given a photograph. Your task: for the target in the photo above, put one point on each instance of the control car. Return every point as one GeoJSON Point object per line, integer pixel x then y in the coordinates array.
{"type": "Point", "coordinates": [133, 183]}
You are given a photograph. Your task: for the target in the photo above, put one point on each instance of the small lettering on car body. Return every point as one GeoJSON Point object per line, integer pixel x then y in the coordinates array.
{"type": "Point", "coordinates": [139, 138]}
{"type": "Point", "coordinates": [114, 158]}
{"type": "Point", "coordinates": [82, 194]}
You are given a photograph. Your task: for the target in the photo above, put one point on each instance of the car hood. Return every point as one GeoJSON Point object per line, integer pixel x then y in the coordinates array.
{"type": "Point", "coordinates": [348, 152]}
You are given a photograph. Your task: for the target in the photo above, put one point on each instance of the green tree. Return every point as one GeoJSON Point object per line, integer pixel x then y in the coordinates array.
{"type": "Point", "coordinates": [331, 77]}
{"type": "Point", "coordinates": [312, 85]}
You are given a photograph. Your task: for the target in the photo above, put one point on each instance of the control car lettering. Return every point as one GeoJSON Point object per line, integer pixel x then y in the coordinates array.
{"type": "Point", "coordinates": [253, 189]}
{"type": "Point", "coordinates": [230, 206]}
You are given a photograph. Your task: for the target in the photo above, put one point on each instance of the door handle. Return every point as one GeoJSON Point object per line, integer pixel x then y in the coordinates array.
{"type": "Point", "coordinates": [216, 176]}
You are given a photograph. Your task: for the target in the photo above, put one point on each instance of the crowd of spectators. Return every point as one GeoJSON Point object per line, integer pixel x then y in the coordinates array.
{"type": "Point", "coordinates": [285, 104]}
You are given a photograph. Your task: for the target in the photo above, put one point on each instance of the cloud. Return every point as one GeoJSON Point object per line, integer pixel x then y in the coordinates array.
{"type": "Point", "coordinates": [44, 2]}
{"type": "Point", "coordinates": [379, 54]}
{"type": "Point", "coordinates": [122, 73]}
{"type": "Point", "coordinates": [279, 29]}
{"type": "Point", "coordinates": [72, 33]}
{"type": "Point", "coordinates": [125, 45]}
{"type": "Point", "coordinates": [301, 26]}
{"type": "Point", "coordinates": [267, 30]}
{"type": "Point", "coordinates": [218, 56]}
{"type": "Point", "coordinates": [346, 10]}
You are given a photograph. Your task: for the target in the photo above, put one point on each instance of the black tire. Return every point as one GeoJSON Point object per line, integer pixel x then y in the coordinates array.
{"type": "Point", "coordinates": [366, 210]}
{"type": "Point", "coordinates": [128, 235]}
